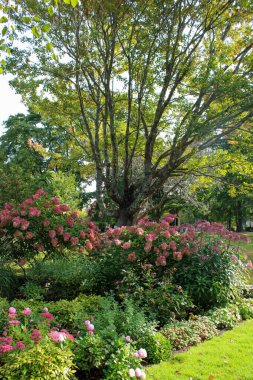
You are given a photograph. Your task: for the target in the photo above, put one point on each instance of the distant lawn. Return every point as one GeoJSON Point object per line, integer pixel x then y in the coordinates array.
{"type": "Point", "coordinates": [227, 357]}
{"type": "Point", "coordinates": [247, 248]}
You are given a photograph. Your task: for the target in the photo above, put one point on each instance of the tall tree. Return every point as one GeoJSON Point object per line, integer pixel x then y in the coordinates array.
{"type": "Point", "coordinates": [142, 86]}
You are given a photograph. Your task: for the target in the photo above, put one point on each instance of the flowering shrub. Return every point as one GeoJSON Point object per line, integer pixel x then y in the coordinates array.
{"type": "Point", "coordinates": [44, 224]}
{"type": "Point", "coordinates": [138, 259]}
{"type": "Point", "coordinates": [31, 346]}
{"type": "Point", "coordinates": [116, 358]}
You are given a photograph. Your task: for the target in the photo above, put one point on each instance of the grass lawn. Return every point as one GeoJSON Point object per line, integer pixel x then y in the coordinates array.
{"type": "Point", "coordinates": [227, 357]}
{"type": "Point", "coordinates": [247, 248]}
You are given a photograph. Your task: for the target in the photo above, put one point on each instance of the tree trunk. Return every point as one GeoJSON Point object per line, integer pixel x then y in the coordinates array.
{"type": "Point", "coordinates": [239, 217]}
{"type": "Point", "coordinates": [125, 218]}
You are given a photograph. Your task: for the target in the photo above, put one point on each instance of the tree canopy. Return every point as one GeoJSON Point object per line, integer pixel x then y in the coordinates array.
{"type": "Point", "coordinates": [141, 87]}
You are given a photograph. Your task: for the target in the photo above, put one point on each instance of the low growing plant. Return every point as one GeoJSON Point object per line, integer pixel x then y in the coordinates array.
{"type": "Point", "coordinates": [183, 334]}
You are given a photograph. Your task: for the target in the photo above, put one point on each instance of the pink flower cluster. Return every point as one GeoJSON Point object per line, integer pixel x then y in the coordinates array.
{"type": "Point", "coordinates": [43, 224]}
{"type": "Point", "coordinates": [137, 373]}
{"type": "Point", "coordinates": [90, 327]}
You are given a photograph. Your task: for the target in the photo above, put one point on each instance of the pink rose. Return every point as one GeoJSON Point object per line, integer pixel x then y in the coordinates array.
{"type": "Point", "coordinates": [26, 311]}
{"type": "Point", "coordinates": [74, 240]}
{"type": "Point", "coordinates": [59, 230]}
{"type": "Point", "coordinates": [46, 223]}
{"type": "Point", "coordinates": [82, 234]}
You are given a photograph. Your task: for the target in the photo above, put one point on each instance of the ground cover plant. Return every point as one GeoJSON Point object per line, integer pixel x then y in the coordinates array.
{"type": "Point", "coordinates": [228, 356]}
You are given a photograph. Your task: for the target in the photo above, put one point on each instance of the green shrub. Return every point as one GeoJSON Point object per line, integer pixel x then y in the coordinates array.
{"type": "Point", "coordinates": [32, 291]}
{"type": "Point", "coordinates": [48, 362]}
{"type": "Point", "coordinates": [211, 279]}
{"type": "Point", "coordinates": [245, 307]}
{"type": "Point", "coordinates": [64, 277]}
{"type": "Point", "coordinates": [226, 317]}
{"type": "Point", "coordinates": [157, 346]}
{"type": "Point", "coordinates": [9, 282]}
{"type": "Point", "coordinates": [183, 334]}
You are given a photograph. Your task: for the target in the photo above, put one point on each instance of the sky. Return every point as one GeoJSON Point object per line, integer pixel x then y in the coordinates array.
{"type": "Point", "coordinates": [10, 102]}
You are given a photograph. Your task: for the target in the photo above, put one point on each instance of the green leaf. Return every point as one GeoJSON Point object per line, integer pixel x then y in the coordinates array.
{"type": "Point", "coordinates": [26, 20]}
{"type": "Point", "coordinates": [4, 31]}
{"type": "Point", "coordinates": [1, 70]}
{"type": "Point", "coordinates": [3, 19]}
{"type": "Point", "coordinates": [3, 62]}
{"type": "Point", "coordinates": [36, 18]}
{"type": "Point", "coordinates": [45, 28]}
{"type": "Point", "coordinates": [36, 31]}
{"type": "Point", "coordinates": [50, 10]}
{"type": "Point", "coordinates": [74, 3]}
{"type": "Point", "coordinates": [66, 1]}
{"type": "Point", "coordinates": [49, 46]}
{"type": "Point", "coordinates": [55, 57]}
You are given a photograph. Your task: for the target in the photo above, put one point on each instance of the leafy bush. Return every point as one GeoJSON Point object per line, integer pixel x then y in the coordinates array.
{"type": "Point", "coordinates": [9, 282]}
{"type": "Point", "coordinates": [226, 317]}
{"type": "Point", "coordinates": [31, 346]}
{"type": "Point", "coordinates": [245, 307]}
{"type": "Point", "coordinates": [158, 347]}
{"type": "Point", "coordinates": [64, 277]}
{"type": "Point", "coordinates": [211, 279]}
{"type": "Point", "coordinates": [32, 291]}
{"type": "Point", "coordinates": [183, 334]}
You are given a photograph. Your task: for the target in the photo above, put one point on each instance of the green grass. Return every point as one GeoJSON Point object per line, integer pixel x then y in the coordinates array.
{"type": "Point", "coordinates": [247, 248]}
{"type": "Point", "coordinates": [227, 357]}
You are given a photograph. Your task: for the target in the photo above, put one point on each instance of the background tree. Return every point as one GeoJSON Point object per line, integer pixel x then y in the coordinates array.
{"type": "Point", "coordinates": [33, 155]}
{"type": "Point", "coordinates": [142, 86]}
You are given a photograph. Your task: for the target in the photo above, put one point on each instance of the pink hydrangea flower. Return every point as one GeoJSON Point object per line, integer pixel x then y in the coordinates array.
{"type": "Point", "coordinates": [54, 242]}
{"type": "Point", "coordinates": [177, 256]}
{"type": "Point", "coordinates": [74, 240]}
{"type": "Point", "coordinates": [161, 260]}
{"type": "Point", "coordinates": [139, 231]}
{"type": "Point", "coordinates": [29, 235]}
{"type": "Point", "coordinates": [47, 315]}
{"type": "Point", "coordinates": [66, 236]}
{"type": "Point", "coordinates": [12, 316]}
{"type": "Point", "coordinates": [55, 200]}
{"type": "Point", "coordinates": [64, 208]}
{"type": "Point", "coordinates": [138, 372]}
{"type": "Point", "coordinates": [89, 246]}
{"type": "Point", "coordinates": [12, 310]}
{"type": "Point", "coordinates": [14, 322]}
{"type": "Point", "coordinates": [128, 338]}
{"type": "Point", "coordinates": [54, 335]}
{"type": "Point", "coordinates": [131, 372]}
{"type": "Point", "coordinates": [26, 311]}
{"type": "Point", "coordinates": [24, 225]}
{"type": "Point", "coordinates": [117, 242]}
{"type": "Point", "coordinates": [20, 345]}
{"type": "Point", "coordinates": [90, 327]}
{"type": "Point", "coordinates": [126, 245]}
{"type": "Point", "coordinates": [5, 348]}
{"type": "Point", "coordinates": [59, 230]}
{"type": "Point", "coordinates": [52, 234]}
{"type": "Point", "coordinates": [142, 353]}
{"type": "Point", "coordinates": [46, 222]}
{"type": "Point", "coordinates": [34, 211]}
{"type": "Point", "coordinates": [132, 256]}
{"type": "Point", "coordinates": [82, 234]}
